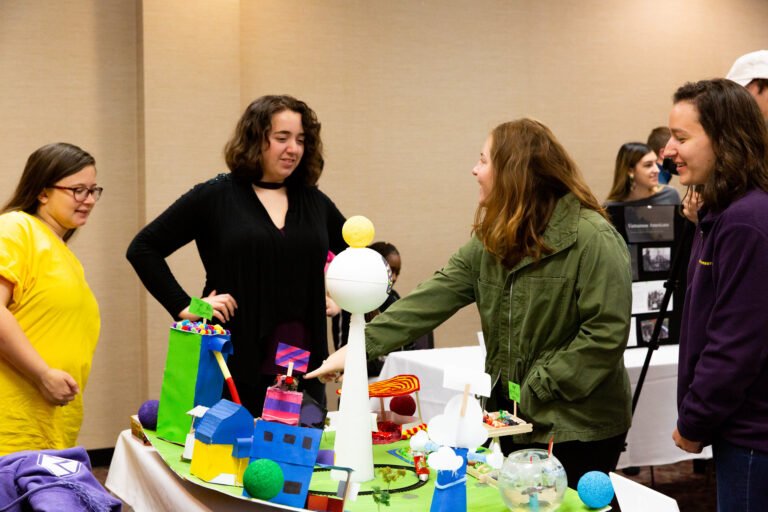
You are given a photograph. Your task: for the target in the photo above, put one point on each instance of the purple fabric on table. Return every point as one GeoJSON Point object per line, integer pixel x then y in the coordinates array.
{"type": "Point", "coordinates": [52, 480]}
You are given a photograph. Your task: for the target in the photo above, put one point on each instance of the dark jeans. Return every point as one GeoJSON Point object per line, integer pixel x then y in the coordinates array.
{"type": "Point", "coordinates": [578, 457]}
{"type": "Point", "coordinates": [742, 478]}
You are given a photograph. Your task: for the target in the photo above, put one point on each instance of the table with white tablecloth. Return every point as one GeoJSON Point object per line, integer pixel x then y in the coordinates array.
{"type": "Point", "coordinates": [429, 366]}
{"type": "Point", "coordinates": [139, 477]}
{"type": "Point", "coordinates": [649, 441]}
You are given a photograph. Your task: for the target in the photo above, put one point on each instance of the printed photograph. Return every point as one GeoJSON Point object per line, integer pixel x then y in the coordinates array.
{"type": "Point", "coordinates": [646, 329]}
{"type": "Point", "coordinates": [656, 259]}
{"type": "Point", "coordinates": [647, 297]}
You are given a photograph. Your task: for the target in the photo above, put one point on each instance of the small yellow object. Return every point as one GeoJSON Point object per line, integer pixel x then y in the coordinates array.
{"type": "Point", "coordinates": [358, 231]}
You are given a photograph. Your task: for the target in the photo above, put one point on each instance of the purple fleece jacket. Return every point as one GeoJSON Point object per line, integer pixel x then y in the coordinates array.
{"type": "Point", "coordinates": [722, 389]}
{"type": "Point", "coordinates": [52, 480]}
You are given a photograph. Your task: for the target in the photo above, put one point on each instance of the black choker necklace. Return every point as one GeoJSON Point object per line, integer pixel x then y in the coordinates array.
{"type": "Point", "coordinates": [269, 185]}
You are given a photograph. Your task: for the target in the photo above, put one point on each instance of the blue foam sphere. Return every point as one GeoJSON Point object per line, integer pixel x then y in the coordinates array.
{"type": "Point", "coordinates": [148, 414]}
{"type": "Point", "coordinates": [595, 489]}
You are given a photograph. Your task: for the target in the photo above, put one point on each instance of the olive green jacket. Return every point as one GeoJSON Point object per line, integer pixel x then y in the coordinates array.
{"type": "Point", "coordinates": [557, 327]}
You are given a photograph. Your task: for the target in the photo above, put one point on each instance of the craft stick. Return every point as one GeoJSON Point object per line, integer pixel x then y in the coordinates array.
{"type": "Point", "coordinates": [514, 409]}
{"type": "Point", "coordinates": [418, 406]}
{"type": "Point", "coordinates": [464, 400]}
{"type": "Point", "coordinates": [227, 377]}
{"type": "Point", "coordinates": [551, 444]}
{"type": "Point", "coordinates": [290, 368]}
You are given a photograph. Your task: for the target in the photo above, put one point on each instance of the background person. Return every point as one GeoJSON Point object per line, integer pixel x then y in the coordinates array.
{"type": "Point", "coordinates": [341, 321]}
{"type": "Point", "coordinates": [49, 318]}
{"type": "Point", "coordinates": [657, 139]}
{"type": "Point", "coordinates": [551, 280]}
{"type": "Point", "coordinates": [720, 143]}
{"type": "Point", "coordinates": [751, 71]}
{"type": "Point", "coordinates": [263, 233]}
{"type": "Point", "coordinates": [636, 178]}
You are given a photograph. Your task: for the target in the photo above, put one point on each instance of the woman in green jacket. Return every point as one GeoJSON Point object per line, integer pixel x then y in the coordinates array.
{"type": "Point", "coordinates": [551, 280]}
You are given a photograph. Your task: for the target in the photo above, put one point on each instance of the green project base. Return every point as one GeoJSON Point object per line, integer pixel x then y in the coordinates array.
{"type": "Point", "coordinates": [480, 497]}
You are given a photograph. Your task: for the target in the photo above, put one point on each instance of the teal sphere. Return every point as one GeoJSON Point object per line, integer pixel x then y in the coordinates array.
{"type": "Point", "coordinates": [595, 489]}
{"type": "Point", "coordinates": [263, 479]}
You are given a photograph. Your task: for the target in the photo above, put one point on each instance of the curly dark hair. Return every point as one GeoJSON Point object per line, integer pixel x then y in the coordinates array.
{"type": "Point", "coordinates": [243, 151]}
{"type": "Point", "coordinates": [733, 122]}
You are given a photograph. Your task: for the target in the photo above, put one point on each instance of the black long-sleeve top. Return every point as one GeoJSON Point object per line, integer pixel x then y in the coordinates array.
{"type": "Point", "coordinates": [276, 276]}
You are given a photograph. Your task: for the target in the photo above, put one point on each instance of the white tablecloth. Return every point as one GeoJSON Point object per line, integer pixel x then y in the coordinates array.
{"type": "Point", "coordinates": [649, 441]}
{"type": "Point", "coordinates": [429, 366]}
{"type": "Point", "coordinates": [139, 477]}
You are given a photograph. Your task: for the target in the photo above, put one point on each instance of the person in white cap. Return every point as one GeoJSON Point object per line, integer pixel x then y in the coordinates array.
{"type": "Point", "coordinates": [751, 71]}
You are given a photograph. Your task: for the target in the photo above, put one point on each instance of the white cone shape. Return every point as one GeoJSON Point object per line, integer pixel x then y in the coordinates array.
{"type": "Point", "coordinates": [354, 446]}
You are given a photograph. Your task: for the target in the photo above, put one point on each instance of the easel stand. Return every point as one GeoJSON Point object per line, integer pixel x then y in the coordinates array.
{"type": "Point", "coordinates": [679, 266]}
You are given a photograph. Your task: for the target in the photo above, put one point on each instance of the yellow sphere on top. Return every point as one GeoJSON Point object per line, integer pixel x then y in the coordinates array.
{"type": "Point", "coordinates": [358, 231]}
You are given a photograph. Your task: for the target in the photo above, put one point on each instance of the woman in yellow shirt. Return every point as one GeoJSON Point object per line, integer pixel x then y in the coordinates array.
{"type": "Point", "coordinates": [49, 318]}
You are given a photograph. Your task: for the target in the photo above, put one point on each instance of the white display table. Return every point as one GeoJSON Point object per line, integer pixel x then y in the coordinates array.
{"type": "Point", "coordinates": [139, 477]}
{"type": "Point", "coordinates": [649, 442]}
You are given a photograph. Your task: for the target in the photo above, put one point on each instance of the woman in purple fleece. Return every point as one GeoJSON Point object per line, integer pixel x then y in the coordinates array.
{"type": "Point", "coordinates": [720, 145]}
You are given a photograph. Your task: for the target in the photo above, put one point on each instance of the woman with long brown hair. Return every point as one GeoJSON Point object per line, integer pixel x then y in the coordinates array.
{"type": "Point", "coordinates": [551, 280]}
{"type": "Point", "coordinates": [636, 178]}
{"type": "Point", "coordinates": [49, 318]}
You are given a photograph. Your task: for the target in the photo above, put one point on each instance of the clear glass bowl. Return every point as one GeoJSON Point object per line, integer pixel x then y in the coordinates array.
{"type": "Point", "coordinates": [531, 480]}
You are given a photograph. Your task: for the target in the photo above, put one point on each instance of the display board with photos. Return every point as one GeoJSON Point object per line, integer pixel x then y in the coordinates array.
{"type": "Point", "coordinates": [651, 232]}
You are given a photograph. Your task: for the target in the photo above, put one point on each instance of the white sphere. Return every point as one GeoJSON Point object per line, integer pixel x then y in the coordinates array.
{"type": "Point", "coordinates": [358, 280]}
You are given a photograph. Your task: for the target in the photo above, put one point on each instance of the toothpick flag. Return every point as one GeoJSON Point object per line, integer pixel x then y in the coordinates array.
{"type": "Point", "coordinates": [287, 354]}
{"type": "Point", "coordinates": [201, 308]}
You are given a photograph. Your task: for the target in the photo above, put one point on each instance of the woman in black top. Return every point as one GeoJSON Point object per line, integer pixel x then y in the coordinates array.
{"type": "Point", "coordinates": [636, 179]}
{"type": "Point", "coordinates": [263, 232]}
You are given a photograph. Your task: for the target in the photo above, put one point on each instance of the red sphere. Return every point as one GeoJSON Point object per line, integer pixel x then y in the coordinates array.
{"type": "Point", "coordinates": [403, 405]}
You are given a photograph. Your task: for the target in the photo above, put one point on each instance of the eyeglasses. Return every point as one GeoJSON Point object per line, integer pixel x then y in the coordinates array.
{"type": "Point", "coordinates": [81, 193]}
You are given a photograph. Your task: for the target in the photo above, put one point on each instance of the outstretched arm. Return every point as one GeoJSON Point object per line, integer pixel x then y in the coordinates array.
{"type": "Point", "coordinates": [331, 368]}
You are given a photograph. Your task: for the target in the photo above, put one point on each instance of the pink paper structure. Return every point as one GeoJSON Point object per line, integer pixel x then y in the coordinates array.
{"type": "Point", "coordinates": [282, 406]}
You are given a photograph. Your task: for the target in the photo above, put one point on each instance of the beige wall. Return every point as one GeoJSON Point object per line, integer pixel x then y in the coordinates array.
{"type": "Point", "coordinates": [69, 74]}
{"type": "Point", "coordinates": [190, 100]}
{"type": "Point", "coordinates": [406, 92]}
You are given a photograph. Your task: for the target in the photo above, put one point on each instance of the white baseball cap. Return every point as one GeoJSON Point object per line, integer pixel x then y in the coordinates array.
{"type": "Point", "coordinates": [748, 67]}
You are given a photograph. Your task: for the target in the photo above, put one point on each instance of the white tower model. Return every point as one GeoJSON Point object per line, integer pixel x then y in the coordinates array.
{"type": "Point", "coordinates": [359, 280]}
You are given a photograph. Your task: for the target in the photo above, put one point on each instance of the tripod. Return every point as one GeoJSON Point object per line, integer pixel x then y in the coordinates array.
{"type": "Point", "coordinates": [670, 285]}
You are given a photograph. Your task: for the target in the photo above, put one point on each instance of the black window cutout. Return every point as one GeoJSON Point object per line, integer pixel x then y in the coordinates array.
{"type": "Point", "coordinates": [289, 438]}
{"type": "Point", "coordinates": [307, 444]}
{"type": "Point", "coordinates": [268, 436]}
{"type": "Point", "coordinates": [292, 487]}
